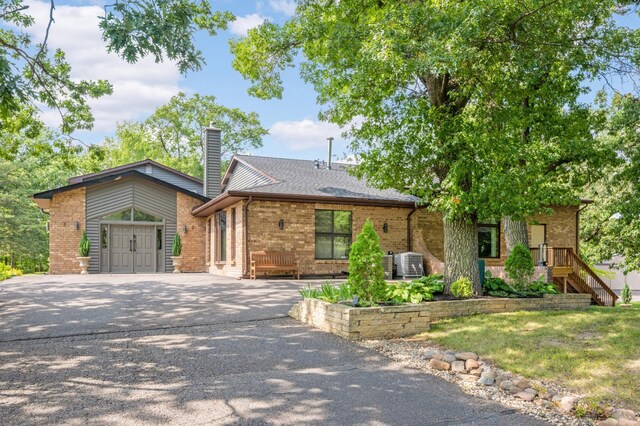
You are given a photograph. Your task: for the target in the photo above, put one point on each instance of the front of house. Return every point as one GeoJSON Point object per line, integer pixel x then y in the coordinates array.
{"type": "Point", "coordinates": [310, 208]}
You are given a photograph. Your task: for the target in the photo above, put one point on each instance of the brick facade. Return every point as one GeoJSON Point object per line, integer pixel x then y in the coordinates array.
{"type": "Point", "coordinates": [194, 241]}
{"type": "Point", "coordinates": [234, 264]}
{"type": "Point", "coordinates": [66, 209]}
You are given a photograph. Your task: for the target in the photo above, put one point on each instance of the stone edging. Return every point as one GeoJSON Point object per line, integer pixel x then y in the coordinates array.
{"type": "Point", "coordinates": [405, 320]}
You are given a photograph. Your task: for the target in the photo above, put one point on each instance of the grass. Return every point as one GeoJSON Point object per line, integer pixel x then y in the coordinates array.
{"type": "Point", "coordinates": [594, 352]}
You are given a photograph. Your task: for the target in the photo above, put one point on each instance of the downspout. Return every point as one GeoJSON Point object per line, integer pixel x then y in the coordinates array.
{"type": "Point", "coordinates": [245, 236]}
{"type": "Point", "coordinates": [409, 228]}
{"type": "Point", "coordinates": [578, 228]}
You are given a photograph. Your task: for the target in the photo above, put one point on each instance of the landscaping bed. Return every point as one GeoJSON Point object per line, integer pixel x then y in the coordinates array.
{"type": "Point", "coordinates": [595, 351]}
{"type": "Point", "coordinates": [355, 323]}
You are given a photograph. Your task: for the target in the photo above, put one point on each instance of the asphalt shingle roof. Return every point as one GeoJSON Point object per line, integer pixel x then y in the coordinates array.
{"type": "Point", "coordinates": [300, 177]}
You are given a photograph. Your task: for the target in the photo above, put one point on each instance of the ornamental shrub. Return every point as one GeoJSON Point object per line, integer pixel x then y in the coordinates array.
{"type": "Point", "coordinates": [519, 266]}
{"type": "Point", "coordinates": [626, 294]}
{"type": "Point", "coordinates": [85, 245]}
{"type": "Point", "coordinates": [7, 271]}
{"type": "Point", "coordinates": [176, 247]}
{"type": "Point", "coordinates": [462, 288]}
{"type": "Point", "coordinates": [366, 274]}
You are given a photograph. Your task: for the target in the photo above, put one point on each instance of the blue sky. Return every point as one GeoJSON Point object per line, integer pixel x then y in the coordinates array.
{"type": "Point", "coordinates": [295, 131]}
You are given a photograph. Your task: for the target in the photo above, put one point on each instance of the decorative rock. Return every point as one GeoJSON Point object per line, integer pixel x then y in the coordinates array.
{"type": "Point", "coordinates": [439, 365]}
{"type": "Point", "coordinates": [526, 396]}
{"type": "Point", "coordinates": [476, 372]}
{"type": "Point", "coordinates": [625, 422]}
{"type": "Point", "coordinates": [505, 385]}
{"type": "Point", "coordinates": [487, 381]}
{"type": "Point", "coordinates": [531, 391]}
{"type": "Point", "coordinates": [514, 390]}
{"type": "Point", "coordinates": [450, 352]}
{"type": "Point", "coordinates": [620, 413]}
{"type": "Point", "coordinates": [471, 364]}
{"type": "Point", "coordinates": [458, 367]}
{"type": "Point", "coordinates": [429, 354]}
{"type": "Point", "coordinates": [467, 377]}
{"type": "Point", "coordinates": [438, 357]}
{"type": "Point", "coordinates": [501, 378]}
{"type": "Point", "coordinates": [608, 422]}
{"type": "Point", "coordinates": [556, 398]}
{"type": "Point", "coordinates": [566, 404]}
{"type": "Point", "coordinates": [449, 358]}
{"type": "Point", "coordinates": [490, 374]}
{"type": "Point", "coordinates": [549, 405]}
{"type": "Point", "coordinates": [466, 355]}
{"type": "Point", "coordinates": [522, 383]}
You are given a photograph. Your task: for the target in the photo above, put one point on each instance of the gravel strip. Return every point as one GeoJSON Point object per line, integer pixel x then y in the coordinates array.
{"type": "Point", "coordinates": [410, 354]}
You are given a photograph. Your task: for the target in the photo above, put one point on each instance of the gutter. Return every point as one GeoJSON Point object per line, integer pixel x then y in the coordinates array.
{"type": "Point", "coordinates": [245, 236]}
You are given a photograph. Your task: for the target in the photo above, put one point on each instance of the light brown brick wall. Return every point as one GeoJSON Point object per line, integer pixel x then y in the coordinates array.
{"type": "Point", "coordinates": [65, 210]}
{"type": "Point", "coordinates": [561, 231]}
{"type": "Point", "coordinates": [194, 242]}
{"type": "Point", "coordinates": [298, 234]}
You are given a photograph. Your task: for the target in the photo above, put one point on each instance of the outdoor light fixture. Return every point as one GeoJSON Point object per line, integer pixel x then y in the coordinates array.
{"type": "Point", "coordinates": [184, 229]}
{"type": "Point", "coordinates": [543, 254]}
{"type": "Point", "coordinates": [77, 225]}
{"type": "Point", "coordinates": [385, 227]}
{"type": "Point", "coordinates": [281, 224]}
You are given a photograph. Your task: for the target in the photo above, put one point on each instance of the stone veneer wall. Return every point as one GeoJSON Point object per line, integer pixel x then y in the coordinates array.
{"type": "Point", "coordinates": [194, 242]}
{"type": "Point", "coordinates": [65, 210]}
{"type": "Point", "coordinates": [405, 320]}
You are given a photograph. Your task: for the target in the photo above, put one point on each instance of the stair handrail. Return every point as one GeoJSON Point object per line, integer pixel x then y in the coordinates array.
{"type": "Point", "coordinates": [580, 266]}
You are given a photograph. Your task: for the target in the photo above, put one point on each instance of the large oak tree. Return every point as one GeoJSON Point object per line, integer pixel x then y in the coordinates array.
{"type": "Point", "coordinates": [474, 106]}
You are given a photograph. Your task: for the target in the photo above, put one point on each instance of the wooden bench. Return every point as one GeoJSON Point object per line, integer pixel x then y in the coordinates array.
{"type": "Point", "coordinates": [273, 261]}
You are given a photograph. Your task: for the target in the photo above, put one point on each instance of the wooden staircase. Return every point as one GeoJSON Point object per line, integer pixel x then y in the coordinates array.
{"type": "Point", "coordinates": [571, 274]}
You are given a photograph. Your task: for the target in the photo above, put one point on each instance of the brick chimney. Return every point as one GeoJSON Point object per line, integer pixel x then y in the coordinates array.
{"type": "Point", "coordinates": [212, 162]}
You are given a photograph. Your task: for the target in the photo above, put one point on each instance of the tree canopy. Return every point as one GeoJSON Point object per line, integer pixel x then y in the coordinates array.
{"type": "Point", "coordinates": [32, 76]}
{"type": "Point", "coordinates": [474, 106]}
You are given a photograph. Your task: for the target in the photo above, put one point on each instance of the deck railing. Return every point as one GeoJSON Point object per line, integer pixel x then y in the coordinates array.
{"type": "Point", "coordinates": [580, 274]}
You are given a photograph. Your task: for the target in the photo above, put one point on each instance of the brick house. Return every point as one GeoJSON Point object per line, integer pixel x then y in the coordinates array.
{"type": "Point", "coordinates": [313, 209]}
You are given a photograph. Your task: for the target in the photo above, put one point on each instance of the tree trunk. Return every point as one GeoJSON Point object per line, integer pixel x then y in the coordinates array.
{"type": "Point", "coordinates": [515, 231]}
{"type": "Point", "coordinates": [461, 252]}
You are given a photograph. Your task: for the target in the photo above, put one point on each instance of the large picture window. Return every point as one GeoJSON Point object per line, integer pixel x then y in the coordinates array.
{"type": "Point", "coordinates": [333, 234]}
{"type": "Point", "coordinates": [489, 240]}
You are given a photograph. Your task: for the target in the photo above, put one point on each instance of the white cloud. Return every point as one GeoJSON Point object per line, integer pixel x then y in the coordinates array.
{"type": "Point", "coordinates": [304, 134]}
{"type": "Point", "coordinates": [137, 88]}
{"type": "Point", "coordinates": [243, 24]}
{"type": "Point", "coordinates": [288, 7]}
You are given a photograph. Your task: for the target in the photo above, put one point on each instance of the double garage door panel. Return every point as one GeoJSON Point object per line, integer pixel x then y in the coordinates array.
{"type": "Point", "coordinates": [124, 259]}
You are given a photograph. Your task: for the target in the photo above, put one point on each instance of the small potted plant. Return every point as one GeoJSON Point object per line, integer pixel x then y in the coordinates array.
{"type": "Point", "coordinates": [83, 251]}
{"type": "Point", "coordinates": [176, 250]}
{"type": "Point", "coordinates": [626, 296]}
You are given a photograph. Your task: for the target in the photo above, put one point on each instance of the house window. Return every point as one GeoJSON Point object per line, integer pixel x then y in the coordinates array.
{"type": "Point", "coordinates": [489, 240]}
{"type": "Point", "coordinates": [221, 240]}
{"type": "Point", "coordinates": [159, 239]}
{"type": "Point", "coordinates": [103, 237]}
{"type": "Point", "coordinates": [233, 234]}
{"type": "Point", "coordinates": [333, 234]}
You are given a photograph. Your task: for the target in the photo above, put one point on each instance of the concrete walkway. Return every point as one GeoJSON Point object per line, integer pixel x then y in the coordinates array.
{"type": "Point", "coordinates": [196, 349]}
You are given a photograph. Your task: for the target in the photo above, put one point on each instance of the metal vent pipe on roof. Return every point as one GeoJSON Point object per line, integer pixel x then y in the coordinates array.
{"type": "Point", "coordinates": [330, 139]}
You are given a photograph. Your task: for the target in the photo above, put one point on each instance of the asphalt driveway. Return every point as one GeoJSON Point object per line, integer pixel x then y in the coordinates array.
{"type": "Point", "coordinates": [196, 349]}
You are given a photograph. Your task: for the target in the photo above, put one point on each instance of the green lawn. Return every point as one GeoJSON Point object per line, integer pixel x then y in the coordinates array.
{"type": "Point", "coordinates": [596, 352]}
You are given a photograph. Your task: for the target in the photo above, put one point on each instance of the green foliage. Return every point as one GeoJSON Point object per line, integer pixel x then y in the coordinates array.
{"type": "Point", "coordinates": [412, 292]}
{"type": "Point", "coordinates": [626, 294]}
{"type": "Point", "coordinates": [33, 76]}
{"type": "Point", "coordinates": [610, 227]}
{"type": "Point", "coordinates": [462, 288]}
{"type": "Point", "coordinates": [497, 287]}
{"type": "Point", "coordinates": [495, 284]}
{"type": "Point", "coordinates": [85, 245]}
{"type": "Point", "coordinates": [519, 265]}
{"type": "Point", "coordinates": [172, 134]}
{"type": "Point", "coordinates": [7, 271]}
{"type": "Point", "coordinates": [328, 292]}
{"type": "Point", "coordinates": [366, 274]}
{"type": "Point", "coordinates": [176, 247]}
